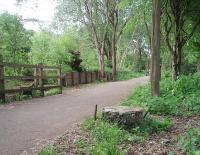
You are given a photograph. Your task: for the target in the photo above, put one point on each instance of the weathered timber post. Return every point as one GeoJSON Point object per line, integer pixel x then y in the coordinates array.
{"type": "Point", "coordinates": [95, 113]}
{"type": "Point", "coordinates": [2, 86]}
{"type": "Point", "coordinates": [92, 80]}
{"type": "Point", "coordinates": [111, 76]}
{"type": "Point", "coordinates": [41, 80]}
{"type": "Point", "coordinates": [59, 79]}
{"type": "Point", "coordinates": [86, 79]}
{"type": "Point", "coordinates": [95, 76]}
{"type": "Point", "coordinates": [36, 80]}
{"type": "Point", "coordinates": [79, 75]}
{"type": "Point", "coordinates": [98, 75]}
{"type": "Point", "coordinates": [107, 77]}
{"type": "Point", "coordinates": [72, 76]}
{"type": "Point", "coordinates": [91, 77]}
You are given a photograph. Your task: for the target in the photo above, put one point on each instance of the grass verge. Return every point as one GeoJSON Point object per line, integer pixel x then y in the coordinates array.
{"type": "Point", "coordinates": [177, 98]}
{"type": "Point", "coordinates": [103, 138]}
{"type": "Point", "coordinates": [127, 75]}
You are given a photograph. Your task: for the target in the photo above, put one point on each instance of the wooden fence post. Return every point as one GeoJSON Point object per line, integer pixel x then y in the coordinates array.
{"type": "Point", "coordinates": [92, 80]}
{"type": "Point", "coordinates": [59, 79]}
{"type": "Point", "coordinates": [41, 80]}
{"type": "Point", "coordinates": [80, 77]}
{"type": "Point", "coordinates": [36, 80]}
{"type": "Point", "coordinates": [2, 86]}
{"type": "Point", "coordinates": [86, 79]}
{"type": "Point", "coordinates": [72, 76]}
{"type": "Point", "coordinates": [97, 75]}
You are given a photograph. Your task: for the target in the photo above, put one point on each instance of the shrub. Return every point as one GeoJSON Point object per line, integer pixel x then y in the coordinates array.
{"type": "Point", "coordinates": [109, 139]}
{"type": "Point", "coordinates": [190, 142]}
{"type": "Point", "coordinates": [47, 151]}
{"type": "Point", "coordinates": [127, 75]}
{"type": "Point", "coordinates": [181, 97]}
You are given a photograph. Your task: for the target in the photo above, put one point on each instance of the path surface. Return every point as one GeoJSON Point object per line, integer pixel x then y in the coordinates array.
{"type": "Point", "coordinates": [25, 126]}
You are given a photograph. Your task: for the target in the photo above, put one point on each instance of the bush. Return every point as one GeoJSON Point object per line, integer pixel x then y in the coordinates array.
{"type": "Point", "coordinates": [190, 142]}
{"type": "Point", "coordinates": [181, 97]}
{"type": "Point", "coordinates": [127, 75]}
{"type": "Point", "coordinates": [105, 137]}
{"type": "Point", "coordinates": [47, 151]}
{"type": "Point", "coordinates": [108, 139]}
{"type": "Point", "coordinates": [151, 125]}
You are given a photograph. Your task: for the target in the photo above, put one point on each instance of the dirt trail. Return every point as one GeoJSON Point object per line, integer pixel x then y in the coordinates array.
{"type": "Point", "coordinates": [25, 126]}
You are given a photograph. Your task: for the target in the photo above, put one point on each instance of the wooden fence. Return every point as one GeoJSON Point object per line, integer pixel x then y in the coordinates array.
{"type": "Point", "coordinates": [76, 78]}
{"type": "Point", "coordinates": [39, 77]}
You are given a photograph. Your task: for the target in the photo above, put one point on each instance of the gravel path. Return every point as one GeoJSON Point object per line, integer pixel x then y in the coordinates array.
{"type": "Point", "coordinates": [25, 126]}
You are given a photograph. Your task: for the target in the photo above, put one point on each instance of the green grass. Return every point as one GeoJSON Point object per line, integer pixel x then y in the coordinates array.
{"type": "Point", "coordinates": [49, 150]}
{"type": "Point", "coordinates": [54, 91]}
{"type": "Point", "coordinates": [177, 98]}
{"type": "Point", "coordinates": [13, 83]}
{"type": "Point", "coordinates": [36, 93]}
{"type": "Point", "coordinates": [127, 75]}
{"type": "Point", "coordinates": [111, 139]}
{"type": "Point", "coordinates": [190, 141]}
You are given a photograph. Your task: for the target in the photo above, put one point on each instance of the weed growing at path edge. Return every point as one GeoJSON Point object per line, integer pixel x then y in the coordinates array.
{"type": "Point", "coordinates": [177, 98]}
{"type": "Point", "coordinates": [103, 138]}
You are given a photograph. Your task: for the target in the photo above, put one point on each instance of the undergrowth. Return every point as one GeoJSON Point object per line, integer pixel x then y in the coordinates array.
{"type": "Point", "coordinates": [127, 75]}
{"type": "Point", "coordinates": [35, 94]}
{"type": "Point", "coordinates": [190, 141]}
{"type": "Point", "coordinates": [111, 139]}
{"type": "Point", "coordinates": [177, 98]}
{"type": "Point", "coordinates": [49, 150]}
{"type": "Point", "coordinates": [54, 91]}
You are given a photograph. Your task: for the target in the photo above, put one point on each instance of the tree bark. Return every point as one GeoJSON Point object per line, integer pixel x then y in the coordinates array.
{"type": "Point", "coordinates": [155, 51]}
{"type": "Point", "coordinates": [176, 18]}
{"type": "Point", "coordinates": [99, 40]}
{"type": "Point", "coordinates": [114, 55]}
{"type": "Point", "coordinates": [101, 62]}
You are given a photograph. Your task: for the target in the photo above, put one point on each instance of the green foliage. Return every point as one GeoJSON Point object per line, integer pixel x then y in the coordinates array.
{"type": "Point", "coordinates": [127, 75]}
{"type": "Point", "coordinates": [52, 92]}
{"type": "Point", "coordinates": [152, 125]}
{"type": "Point", "coordinates": [179, 97]}
{"type": "Point", "coordinates": [14, 39]}
{"type": "Point", "coordinates": [89, 60]}
{"type": "Point", "coordinates": [190, 142]}
{"type": "Point", "coordinates": [47, 151]}
{"type": "Point", "coordinates": [105, 137]}
{"type": "Point", "coordinates": [108, 139]}
{"type": "Point", "coordinates": [52, 50]}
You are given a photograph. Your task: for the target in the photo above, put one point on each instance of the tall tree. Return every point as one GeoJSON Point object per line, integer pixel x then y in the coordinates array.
{"type": "Point", "coordinates": [155, 49]}
{"type": "Point", "coordinates": [117, 20]}
{"type": "Point", "coordinates": [87, 13]}
{"type": "Point", "coordinates": [178, 15]}
{"type": "Point", "coordinates": [103, 19]}
{"type": "Point", "coordinates": [15, 39]}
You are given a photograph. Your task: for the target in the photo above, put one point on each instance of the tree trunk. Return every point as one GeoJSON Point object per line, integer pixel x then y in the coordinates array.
{"type": "Point", "coordinates": [177, 60]}
{"type": "Point", "coordinates": [177, 51]}
{"type": "Point", "coordinates": [101, 62]}
{"type": "Point", "coordinates": [155, 51]}
{"type": "Point", "coordinates": [174, 66]}
{"type": "Point", "coordinates": [114, 56]}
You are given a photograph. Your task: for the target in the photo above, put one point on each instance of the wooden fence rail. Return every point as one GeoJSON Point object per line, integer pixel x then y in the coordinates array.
{"type": "Point", "coordinates": [38, 78]}
{"type": "Point", "coordinates": [76, 78]}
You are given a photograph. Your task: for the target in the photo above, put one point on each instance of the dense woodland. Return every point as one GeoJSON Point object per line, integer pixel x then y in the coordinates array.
{"type": "Point", "coordinates": [116, 34]}
{"type": "Point", "coordinates": [157, 38]}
